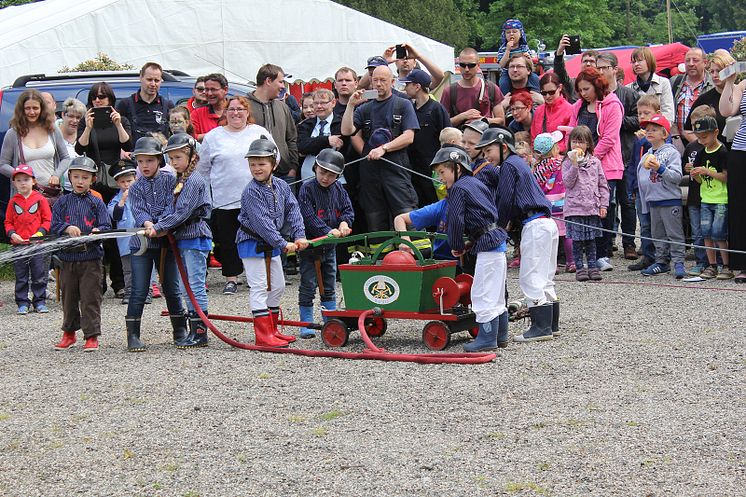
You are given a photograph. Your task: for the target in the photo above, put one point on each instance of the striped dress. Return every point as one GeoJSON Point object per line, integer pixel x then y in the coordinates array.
{"type": "Point", "coordinates": [736, 167]}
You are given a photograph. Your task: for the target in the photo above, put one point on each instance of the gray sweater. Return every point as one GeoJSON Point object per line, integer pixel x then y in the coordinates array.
{"type": "Point", "coordinates": [661, 186]}
{"type": "Point", "coordinates": [10, 156]}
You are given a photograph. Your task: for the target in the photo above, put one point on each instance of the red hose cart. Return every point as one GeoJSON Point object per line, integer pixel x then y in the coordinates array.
{"type": "Point", "coordinates": [399, 286]}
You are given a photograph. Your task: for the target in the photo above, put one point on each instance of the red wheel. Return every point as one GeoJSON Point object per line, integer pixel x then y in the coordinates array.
{"type": "Point", "coordinates": [436, 335]}
{"type": "Point", "coordinates": [334, 333]}
{"type": "Point", "coordinates": [474, 332]}
{"type": "Point", "coordinates": [375, 327]}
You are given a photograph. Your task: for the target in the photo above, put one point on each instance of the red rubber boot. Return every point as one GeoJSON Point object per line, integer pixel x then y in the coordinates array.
{"type": "Point", "coordinates": [91, 344]}
{"type": "Point", "coordinates": [264, 332]}
{"type": "Point", "coordinates": [275, 313]}
{"type": "Point", "coordinates": [68, 340]}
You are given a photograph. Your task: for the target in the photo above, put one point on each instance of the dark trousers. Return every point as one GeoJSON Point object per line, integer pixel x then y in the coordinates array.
{"type": "Point", "coordinates": [111, 249]}
{"type": "Point", "coordinates": [604, 242]}
{"type": "Point", "coordinates": [309, 278]}
{"type": "Point", "coordinates": [31, 272]}
{"type": "Point", "coordinates": [142, 268]}
{"type": "Point", "coordinates": [627, 212]}
{"type": "Point", "coordinates": [80, 283]}
{"type": "Point", "coordinates": [224, 224]}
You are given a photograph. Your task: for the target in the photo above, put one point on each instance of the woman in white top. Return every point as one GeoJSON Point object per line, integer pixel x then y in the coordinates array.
{"type": "Point", "coordinates": [223, 165]}
{"type": "Point", "coordinates": [33, 139]}
{"type": "Point", "coordinates": [649, 83]}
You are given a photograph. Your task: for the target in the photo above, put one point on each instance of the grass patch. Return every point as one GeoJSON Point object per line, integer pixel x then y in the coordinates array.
{"type": "Point", "coordinates": [4, 416]}
{"type": "Point", "coordinates": [543, 466]}
{"type": "Point", "coordinates": [320, 431]}
{"type": "Point", "coordinates": [7, 273]}
{"type": "Point", "coordinates": [264, 376]}
{"type": "Point", "coordinates": [296, 419]}
{"type": "Point", "coordinates": [170, 467]}
{"type": "Point", "coordinates": [515, 487]}
{"type": "Point", "coordinates": [157, 486]}
{"type": "Point", "coordinates": [633, 424]}
{"type": "Point", "coordinates": [496, 435]}
{"type": "Point", "coordinates": [127, 454]}
{"type": "Point", "coordinates": [331, 415]}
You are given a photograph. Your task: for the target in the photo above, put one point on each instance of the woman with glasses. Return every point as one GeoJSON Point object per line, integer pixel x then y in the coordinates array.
{"type": "Point", "coordinates": [223, 165]}
{"type": "Point", "coordinates": [73, 111]}
{"type": "Point", "coordinates": [522, 110]}
{"type": "Point", "coordinates": [649, 83]}
{"type": "Point", "coordinates": [556, 111]}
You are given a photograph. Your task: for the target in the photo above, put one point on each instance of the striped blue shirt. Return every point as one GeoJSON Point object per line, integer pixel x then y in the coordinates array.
{"type": "Point", "coordinates": [324, 208]}
{"type": "Point", "coordinates": [488, 174]}
{"type": "Point", "coordinates": [86, 212]}
{"type": "Point", "coordinates": [186, 217]}
{"type": "Point", "coordinates": [471, 209]}
{"type": "Point", "coordinates": [265, 209]}
{"type": "Point", "coordinates": [518, 193]}
{"type": "Point", "coordinates": [149, 200]}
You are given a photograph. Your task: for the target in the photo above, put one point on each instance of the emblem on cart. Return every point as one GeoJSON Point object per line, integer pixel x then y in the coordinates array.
{"type": "Point", "coordinates": [381, 289]}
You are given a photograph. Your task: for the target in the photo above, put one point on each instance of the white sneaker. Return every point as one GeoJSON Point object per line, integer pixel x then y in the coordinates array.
{"type": "Point", "coordinates": [603, 264]}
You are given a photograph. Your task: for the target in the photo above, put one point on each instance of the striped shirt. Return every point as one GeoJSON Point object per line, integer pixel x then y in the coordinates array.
{"type": "Point", "coordinates": [518, 194]}
{"type": "Point", "coordinates": [324, 208]}
{"type": "Point", "coordinates": [149, 199]}
{"type": "Point", "coordinates": [86, 212]}
{"type": "Point", "coordinates": [265, 209]}
{"type": "Point", "coordinates": [739, 141]}
{"type": "Point", "coordinates": [487, 174]}
{"type": "Point", "coordinates": [186, 217]}
{"type": "Point", "coordinates": [470, 210]}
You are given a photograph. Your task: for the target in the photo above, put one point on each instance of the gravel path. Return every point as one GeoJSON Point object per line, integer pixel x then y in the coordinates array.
{"type": "Point", "coordinates": [642, 395]}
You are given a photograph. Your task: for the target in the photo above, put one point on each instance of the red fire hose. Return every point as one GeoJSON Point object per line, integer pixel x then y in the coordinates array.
{"type": "Point", "coordinates": [371, 353]}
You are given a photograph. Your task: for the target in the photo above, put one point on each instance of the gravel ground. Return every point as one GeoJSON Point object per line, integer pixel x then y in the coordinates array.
{"type": "Point", "coordinates": [641, 396]}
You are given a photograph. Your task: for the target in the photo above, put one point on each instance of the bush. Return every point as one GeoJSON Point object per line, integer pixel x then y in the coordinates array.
{"type": "Point", "coordinates": [101, 62]}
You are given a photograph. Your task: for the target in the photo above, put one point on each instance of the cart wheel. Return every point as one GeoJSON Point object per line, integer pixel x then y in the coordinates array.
{"type": "Point", "coordinates": [334, 333]}
{"type": "Point", "coordinates": [375, 327]}
{"type": "Point", "coordinates": [474, 332]}
{"type": "Point", "coordinates": [436, 335]}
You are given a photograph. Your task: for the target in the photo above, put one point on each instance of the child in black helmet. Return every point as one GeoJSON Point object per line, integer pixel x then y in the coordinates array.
{"type": "Point", "coordinates": [76, 214]}
{"type": "Point", "coordinates": [267, 205]}
{"type": "Point", "coordinates": [327, 210]}
{"type": "Point", "coordinates": [151, 197]}
{"type": "Point", "coordinates": [471, 212]}
{"type": "Point", "coordinates": [185, 218]}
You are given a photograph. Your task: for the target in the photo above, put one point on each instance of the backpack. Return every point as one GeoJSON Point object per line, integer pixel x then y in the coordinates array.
{"type": "Point", "coordinates": [491, 95]}
{"type": "Point", "coordinates": [397, 118]}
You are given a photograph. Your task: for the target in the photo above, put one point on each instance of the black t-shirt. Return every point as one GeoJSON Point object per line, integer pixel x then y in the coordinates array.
{"type": "Point", "coordinates": [146, 118]}
{"type": "Point", "coordinates": [692, 150]}
{"type": "Point", "coordinates": [712, 98]}
{"type": "Point", "coordinates": [381, 115]}
{"type": "Point", "coordinates": [590, 119]}
{"type": "Point", "coordinates": [432, 117]}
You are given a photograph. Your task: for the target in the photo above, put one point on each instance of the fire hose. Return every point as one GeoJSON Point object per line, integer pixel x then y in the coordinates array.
{"type": "Point", "coordinates": [372, 352]}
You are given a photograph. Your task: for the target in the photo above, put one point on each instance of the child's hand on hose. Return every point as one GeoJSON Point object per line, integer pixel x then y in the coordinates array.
{"type": "Point", "coordinates": [602, 213]}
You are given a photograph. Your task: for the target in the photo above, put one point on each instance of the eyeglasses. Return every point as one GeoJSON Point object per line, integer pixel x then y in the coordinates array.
{"type": "Point", "coordinates": [200, 88]}
{"type": "Point", "coordinates": [604, 68]}
{"type": "Point", "coordinates": [212, 90]}
{"type": "Point", "coordinates": [520, 66]}
{"type": "Point", "coordinates": [517, 109]}
{"type": "Point", "coordinates": [100, 97]}
{"type": "Point", "coordinates": [546, 93]}
{"type": "Point", "coordinates": [464, 65]}
{"type": "Point", "coordinates": [322, 103]}
{"type": "Point", "coordinates": [236, 109]}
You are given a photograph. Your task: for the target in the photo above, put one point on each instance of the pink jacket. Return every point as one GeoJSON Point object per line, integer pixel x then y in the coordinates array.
{"type": "Point", "coordinates": [557, 114]}
{"type": "Point", "coordinates": [609, 147]}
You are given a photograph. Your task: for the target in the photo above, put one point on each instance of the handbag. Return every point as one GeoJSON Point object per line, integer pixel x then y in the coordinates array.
{"type": "Point", "coordinates": [104, 169]}
{"type": "Point", "coordinates": [51, 193]}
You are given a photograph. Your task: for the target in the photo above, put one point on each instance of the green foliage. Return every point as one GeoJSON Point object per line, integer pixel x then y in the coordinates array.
{"type": "Point", "coordinates": [739, 49]}
{"type": "Point", "coordinates": [101, 62]}
{"type": "Point", "coordinates": [8, 3]}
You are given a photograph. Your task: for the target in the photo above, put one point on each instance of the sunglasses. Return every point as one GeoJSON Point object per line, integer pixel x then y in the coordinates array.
{"type": "Point", "coordinates": [464, 65]}
{"type": "Point", "coordinates": [547, 93]}
{"type": "Point", "coordinates": [100, 97]}
{"type": "Point", "coordinates": [199, 88]}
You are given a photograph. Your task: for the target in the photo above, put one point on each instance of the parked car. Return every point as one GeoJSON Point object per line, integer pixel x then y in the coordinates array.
{"type": "Point", "coordinates": [177, 87]}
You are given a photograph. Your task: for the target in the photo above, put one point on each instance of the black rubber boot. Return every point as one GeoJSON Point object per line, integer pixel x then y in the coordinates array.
{"type": "Point", "coordinates": [181, 333]}
{"type": "Point", "coordinates": [555, 318]}
{"type": "Point", "coordinates": [197, 331]}
{"type": "Point", "coordinates": [134, 344]}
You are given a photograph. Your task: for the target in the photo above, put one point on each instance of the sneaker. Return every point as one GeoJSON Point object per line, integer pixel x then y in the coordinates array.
{"type": "Point", "coordinates": [594, 274]}
{"type": "Point", "coordinates": [725, 274]}
{"type": "Point", "coordinates": [640, 265]}
{"type": "Point", "coordinates": [119, 294]}
{"type": "Point", "coordinates": [655, 268]}
{"type": "Point", "coordinates": [515, 263]}
{"type": "Point", "coordinates": [156, 291]}
{"type": "Point", "coordinates": [91, 344]}
{"type": "Point", "coordinates": [23, 309]}
{"type": "Point", "coordinates": [709, 273]}
{"type": "Point", "coordinates": [696, 271]}
{"type": "Point", "coordinates": [581, 274]}
{"type": "Point", "coordinates": [678, 269]}
{"type": "Point", "coordinates": [604, 264]}
{"type": "Point", "coordinates": [570, 268]}
{"type": "Point", "coordinates": [230, 288]}
{"type": "Point", "coordinates": [41, 308]}
{"type": "Point", "coordinates": [149, 298]}
{"type": "Point", "coordinates": [630, 253]}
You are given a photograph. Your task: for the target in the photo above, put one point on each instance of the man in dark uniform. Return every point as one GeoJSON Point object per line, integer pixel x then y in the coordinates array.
{"type": "Point", "coordinates": [146, 109]}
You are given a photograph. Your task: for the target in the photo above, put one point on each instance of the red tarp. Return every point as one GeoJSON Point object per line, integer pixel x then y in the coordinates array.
{"type": "Point", "coordinates": [667, 57]}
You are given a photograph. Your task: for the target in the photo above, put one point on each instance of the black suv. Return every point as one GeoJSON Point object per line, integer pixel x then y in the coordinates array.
{"type": "Point", "coordinates": [177, 87]}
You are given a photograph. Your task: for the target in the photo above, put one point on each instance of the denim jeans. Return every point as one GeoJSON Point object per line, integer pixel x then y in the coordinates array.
{"type": "Point", "coordinates": [626, 213]}
{"type": "Point", "coordinates": [604, 242]}
{"type": "Point", "coordinates": [697, 239]}
{"type": "Point", "coordinates": [195, 265]}
{"type": "Point", "coordinates": [31, 273]}
{"type": "Point", "coordinates": [308, 280]}
{"type": "Point", "coordinates": [648, 249]}
{"type": "Point", "coordinates": [142, 267]}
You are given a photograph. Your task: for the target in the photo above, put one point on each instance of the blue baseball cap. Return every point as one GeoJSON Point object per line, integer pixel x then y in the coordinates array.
{"type": "Point", "coordinates": [418, 76]}
{"type": "Point", "coordinates": [376, 61]}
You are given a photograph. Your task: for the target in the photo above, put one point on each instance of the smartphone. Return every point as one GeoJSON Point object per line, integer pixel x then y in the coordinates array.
{"type": "Point", "coordinates": [102, 117]}
{"type": "Point", "coordinates": [738, 67]}
{"type": "Point", "coordinates": [574, 47]}
{"type": "Point", "coordinates": [370, 94]}
{"type": "Point", "coordinates": [401, 52]}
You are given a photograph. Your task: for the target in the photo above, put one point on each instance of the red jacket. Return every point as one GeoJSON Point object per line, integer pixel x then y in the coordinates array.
{"type": "Point", "coordinates": [26, 216]}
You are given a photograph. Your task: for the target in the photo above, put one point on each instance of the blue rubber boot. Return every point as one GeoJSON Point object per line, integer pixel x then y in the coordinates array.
{"type": "Point", "coordinates": [541, 325]}
{"type": "Point", "coordinates": [329, 305]}
{"type": "Point", "coordinates": [486, 338]}
{"type": "Point", "coordinates": [306, 315]}
{"type": "Point", "coordinates": [501, 324]}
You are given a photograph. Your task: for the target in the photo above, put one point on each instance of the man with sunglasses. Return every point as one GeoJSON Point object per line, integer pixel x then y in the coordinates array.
{"type": "Point", "coordinates": [607, 64]}
{"type": "Point", "coordinates": [211, 115]}
{"type": "Point", "coordinates": [146, 109]}
{"type": "Point", "coordinates": [199, 96]}
{"type": "Point", "coordinates": [472, 97]}
{"type": "Point", "coordinates": [587, 59]}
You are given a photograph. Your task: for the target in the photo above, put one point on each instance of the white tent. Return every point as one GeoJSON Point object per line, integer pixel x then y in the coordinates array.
{"type": "Point", "coordinates": [310, 39]}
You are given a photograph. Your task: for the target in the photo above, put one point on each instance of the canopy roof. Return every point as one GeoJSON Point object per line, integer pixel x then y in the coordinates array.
{"type": "Point", "coordinates": [310, 39]}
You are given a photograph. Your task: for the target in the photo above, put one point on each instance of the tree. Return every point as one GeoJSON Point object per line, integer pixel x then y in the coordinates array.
{"type": "Point", "coordinates": [8, 3]}
{"type": "Point", "coordinates": [101, 62]}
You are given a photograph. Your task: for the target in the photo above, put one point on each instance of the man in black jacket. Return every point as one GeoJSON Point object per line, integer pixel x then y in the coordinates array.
{"type": "Point", "coordinates": [320, 132]}
{"type": "Point", "coordinates": [147, 110]}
